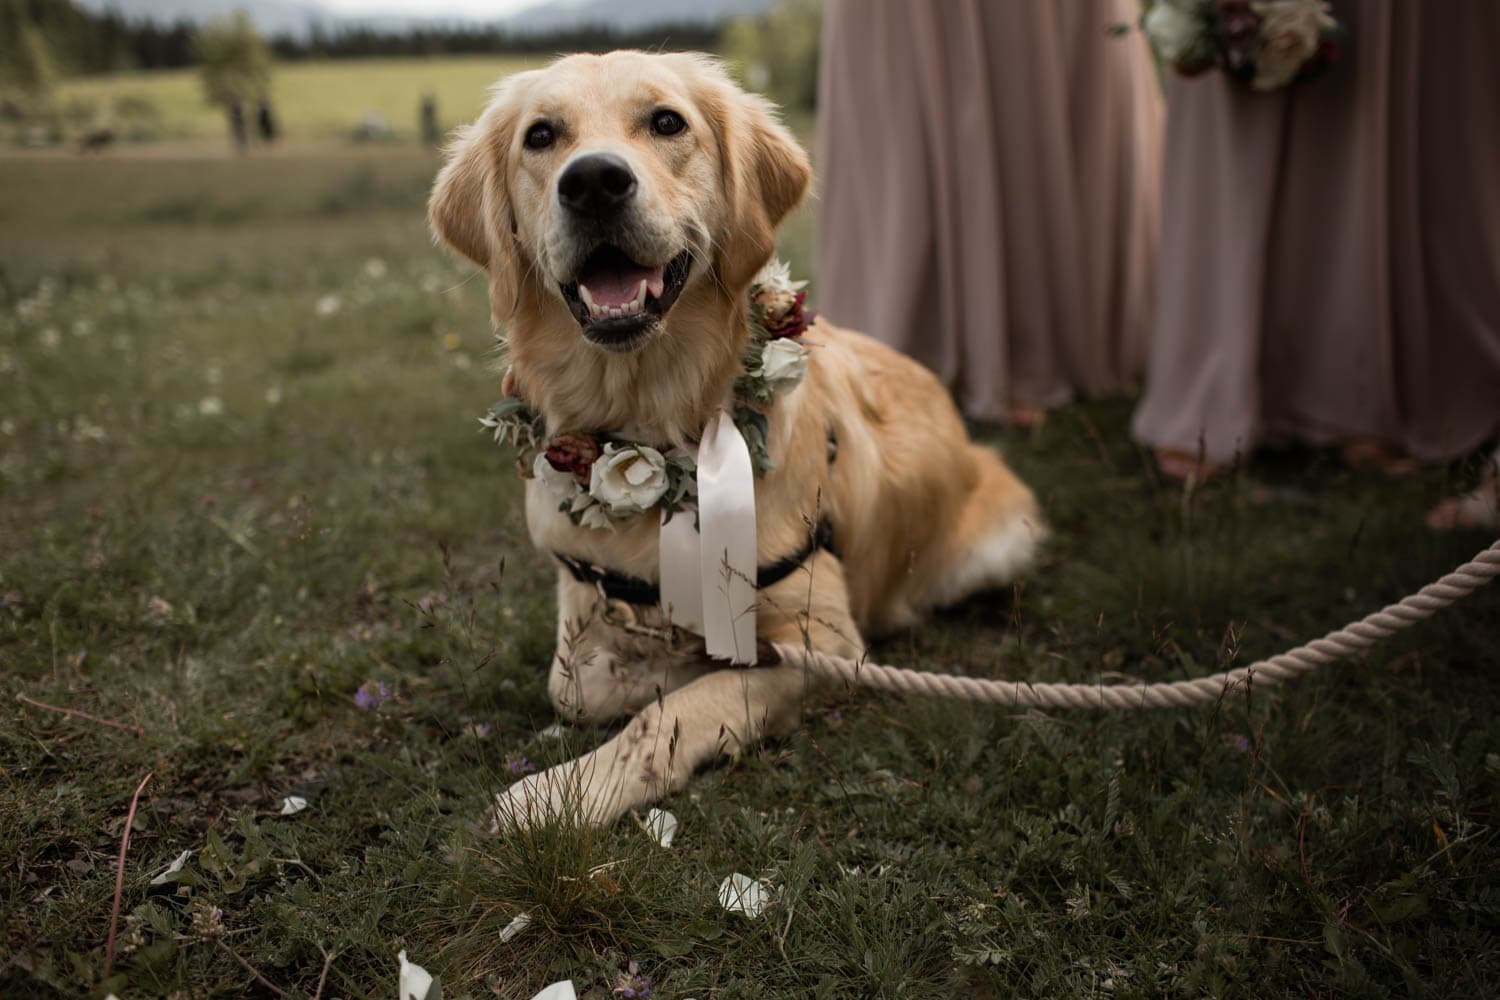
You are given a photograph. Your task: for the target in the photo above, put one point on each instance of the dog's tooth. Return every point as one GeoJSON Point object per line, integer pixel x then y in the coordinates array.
{"type": "Point", "coordinates": [640, 296]}
{"type": "Point", "coordinates": [583, 293]}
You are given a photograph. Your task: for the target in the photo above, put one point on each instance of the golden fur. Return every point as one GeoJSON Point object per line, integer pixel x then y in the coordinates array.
{"type": "Point", "coordinates": [920, 515]}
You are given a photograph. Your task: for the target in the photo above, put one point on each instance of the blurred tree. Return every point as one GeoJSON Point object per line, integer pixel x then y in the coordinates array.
{"type": "Point", "coordinates": [28, 72]}
{"type": "Point", "coordinates": [76, 40]}
{"type": "Point", "coordinates": [777, 53]}
{"type": "Point", "coordinates": [236, 66]}
{"type": "Point", "coordinates": [236, 60]}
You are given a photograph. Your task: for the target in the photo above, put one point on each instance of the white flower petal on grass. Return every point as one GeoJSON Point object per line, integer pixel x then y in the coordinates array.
{"type": "Point", "coordinates": [375, 268]}
{"type": "Point", "coordinates": [210, 406]}
{"type": "Point", "coordinates": [558, 991]}
{"type": "Point", "coordinates": [416, 982]}
{"type": "Point", "coordinates": [172, 869]}
{"type": "Point", "coordinates": [556, 731]}
{"type": "Point", "coordinates": [328, 305]}
{"type": "Point", "coordinates": [662, 825]}
{"type": "Point", "coordinates": [292, 805]}
{"type": "Point", "coordinates": [516, 926]}
{"type": "Point", "coordinates": [743, 894]}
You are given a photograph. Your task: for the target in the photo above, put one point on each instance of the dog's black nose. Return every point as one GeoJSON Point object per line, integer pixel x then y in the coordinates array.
{"type": "Point", "coordinates": [596, 185]}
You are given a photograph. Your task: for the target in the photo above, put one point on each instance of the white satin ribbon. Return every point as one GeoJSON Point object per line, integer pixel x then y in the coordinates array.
{"type": "Point", "coordinates": [708, 573]}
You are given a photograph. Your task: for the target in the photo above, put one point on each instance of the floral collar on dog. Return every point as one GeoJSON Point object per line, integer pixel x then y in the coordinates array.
{"type": "Point", "coordinates": [598, 479]}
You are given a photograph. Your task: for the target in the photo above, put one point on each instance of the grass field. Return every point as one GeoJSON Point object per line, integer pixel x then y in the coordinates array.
{"type": "Point", "coordinates": [241, 477]}
{"type": "Point", "coordinates": [316, 99]}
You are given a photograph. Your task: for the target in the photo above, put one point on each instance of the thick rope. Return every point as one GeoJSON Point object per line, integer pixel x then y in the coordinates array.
{"type": "Point", "coordinates": [1342, 644]}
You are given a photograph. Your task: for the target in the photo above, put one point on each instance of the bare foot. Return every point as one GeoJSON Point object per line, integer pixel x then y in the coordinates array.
{"type": "Point", "coordinates": [1477, 510]}
{"type": "Point", "coordinates": [1024, 415]}
{"type": "Point", "coordinates": [1371, 454]}
{"type": "Point", "coordinates": [1184, 466]}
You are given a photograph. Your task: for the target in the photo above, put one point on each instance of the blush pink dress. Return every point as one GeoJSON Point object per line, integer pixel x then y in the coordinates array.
{"type": "Point", "coordinates": [1330, 258]}
{"type": "Point", "coordinates": [988, 177]}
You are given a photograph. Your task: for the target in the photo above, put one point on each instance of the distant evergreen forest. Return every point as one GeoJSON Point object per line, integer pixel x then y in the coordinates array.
{"type": "Point", "coordinates": [85, 42]}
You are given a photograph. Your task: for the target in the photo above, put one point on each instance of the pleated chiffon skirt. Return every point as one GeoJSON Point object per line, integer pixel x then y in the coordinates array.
{"type": "Point", "coordinates": [1330, 257]}
{"type": "Point", "coordinates": [988, 179]}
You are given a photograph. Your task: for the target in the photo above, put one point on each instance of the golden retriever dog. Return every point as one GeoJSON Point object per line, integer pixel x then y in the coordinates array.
{"type": "Point", "coordinates": [598, 178]}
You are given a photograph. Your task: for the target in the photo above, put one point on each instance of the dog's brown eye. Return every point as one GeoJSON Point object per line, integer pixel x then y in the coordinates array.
{"type": "Point", "coordinates": [667, 123]}
{"type": "Point", "coordinates": [539, 136]}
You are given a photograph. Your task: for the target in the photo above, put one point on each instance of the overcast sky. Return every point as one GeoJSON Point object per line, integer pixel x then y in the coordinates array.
{"type": "Point", "coordinates": [486, 9]}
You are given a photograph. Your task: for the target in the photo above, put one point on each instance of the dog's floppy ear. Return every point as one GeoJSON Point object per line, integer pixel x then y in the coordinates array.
{"type": "Point", "coordinates": [766, 175]}
{"type": "Point", "coordinates": [456, 207]}
{"type": "Point", "coordinates": [470, 209]}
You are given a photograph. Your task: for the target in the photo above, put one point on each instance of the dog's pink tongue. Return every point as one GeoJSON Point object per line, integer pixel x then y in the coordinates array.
{"type": "Point", "coordinates": [617, 288]}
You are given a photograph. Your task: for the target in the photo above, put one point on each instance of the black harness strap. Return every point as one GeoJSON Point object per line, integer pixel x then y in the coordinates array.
{"type": "Point", "coordinates": [633, 590]}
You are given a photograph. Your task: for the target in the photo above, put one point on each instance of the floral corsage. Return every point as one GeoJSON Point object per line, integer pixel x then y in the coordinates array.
{"type": "Point", "coordinates": [598, 479]}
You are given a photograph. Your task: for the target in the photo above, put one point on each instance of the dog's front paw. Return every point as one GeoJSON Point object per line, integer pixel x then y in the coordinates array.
{"type": "Point", "coordinates": [529, 803]}
{"type": "Point", "coordinates": [582, 792]}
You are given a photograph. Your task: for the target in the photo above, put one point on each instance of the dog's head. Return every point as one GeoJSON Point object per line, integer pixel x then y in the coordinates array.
{"type": "Point", "coordinates": [602, 191]}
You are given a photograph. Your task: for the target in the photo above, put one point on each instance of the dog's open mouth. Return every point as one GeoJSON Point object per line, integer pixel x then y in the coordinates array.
{"type": "Point", "coordinates": [618, 302]}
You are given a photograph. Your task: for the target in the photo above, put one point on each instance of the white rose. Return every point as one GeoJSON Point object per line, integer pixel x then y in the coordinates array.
{"type": "Point", "coordinates": [629, 479]}
{"type": "Point", "coordinates": [1173, 29]}
{"type": "Point", "coordinates": [561, 484]}
{"type": "Point", "coordinates": [1290, 31]}
{"type": "Point", "coordinates": [783, 361]}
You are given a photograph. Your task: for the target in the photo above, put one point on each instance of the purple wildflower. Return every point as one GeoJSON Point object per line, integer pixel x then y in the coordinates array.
{"type": "Point", "coordinates": [371, 695]}
{"type": "Point", "coordinates": [519, 765]}
{"type": "Point", "coordinates": [1242, 744]}
{"type": "Point", "coordinates": [633, 985]}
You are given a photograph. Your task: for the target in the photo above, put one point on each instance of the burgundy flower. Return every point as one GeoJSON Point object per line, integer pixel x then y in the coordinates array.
{"type": "Point", "coordinates": [573, 453]}
{"type": "Point", "coordinates": [1241, 25]}
{"type": "Point", "coordinates": [1239, 30]}
{"type": "Point", "coordinates": [784, 312]}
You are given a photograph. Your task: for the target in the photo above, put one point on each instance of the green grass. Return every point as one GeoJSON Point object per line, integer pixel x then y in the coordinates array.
{"type": "Point", "coordinates": [314, 99]}
{"type": "Point", "coordinates": [222, 511]}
